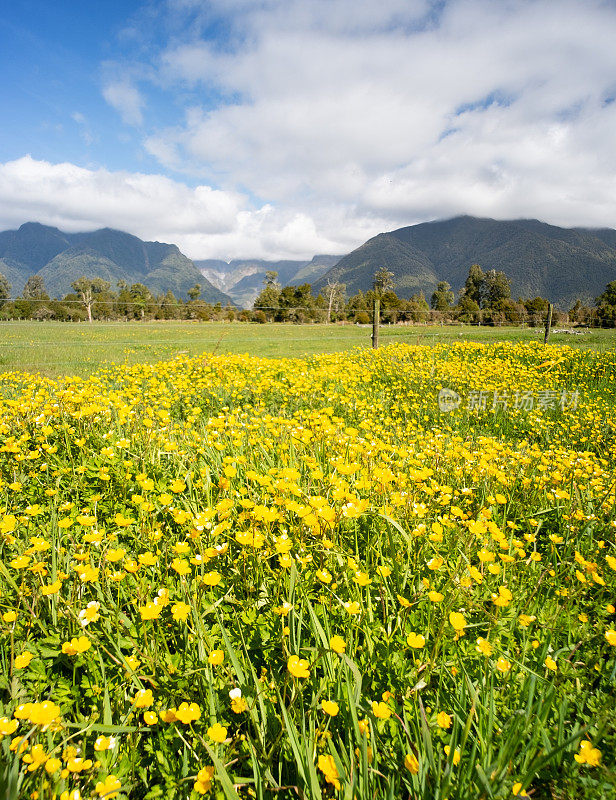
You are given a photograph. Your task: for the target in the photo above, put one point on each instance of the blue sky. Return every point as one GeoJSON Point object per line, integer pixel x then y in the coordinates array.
{"type": "Point", "coordinates": [284, 128]}
{"type": "Point", "coordinates": [53, 59]}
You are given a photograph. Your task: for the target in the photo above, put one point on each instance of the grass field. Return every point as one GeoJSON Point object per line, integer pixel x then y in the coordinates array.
{"type": "Point", "coordinates": [56, 348]}
{"type": "Point", "coordinates": [306, 578]}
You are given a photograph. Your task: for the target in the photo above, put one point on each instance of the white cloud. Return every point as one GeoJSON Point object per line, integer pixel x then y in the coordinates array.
{"type": "Point", "coordinates": [75, 198]}
{"type": "Point", "coordinates": [401, 110]}
{"type": "Point", "coordinates": [84, 127]}
{"type": "Point", "coordinates": [126, 99]}
{"type": "Point", "coordinates": [324, 122]}
{"type": "Point", "coordinates": [203, 222]}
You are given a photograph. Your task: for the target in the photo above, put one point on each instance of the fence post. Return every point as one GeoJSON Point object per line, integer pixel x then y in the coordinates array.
{"type": "Point", "coordinates": [377, 287]}
{"type": "Point", "coordinates": [376, 313]}
{"type": "Point", "coordinates": [548, 323]}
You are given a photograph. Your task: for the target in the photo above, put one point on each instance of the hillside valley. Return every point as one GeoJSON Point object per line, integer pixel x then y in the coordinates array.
{"type": "Point", "coordinates": [242, 279]}
{"type": "Point", "coordinates": [560, 264]}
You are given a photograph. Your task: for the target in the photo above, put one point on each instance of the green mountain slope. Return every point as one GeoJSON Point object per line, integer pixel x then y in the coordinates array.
{"type": "Point", "coordinates": [70, 265]}
{"type": "Point", "coordinates": [15, 273]}
{"type": "Point", "coordinates": [32, 245]}
{"type": "Point", "coordinates": [61, 258]}
{"type": "Point", "coordinates": [313, 270]}
{"type": "Point", "coordinates": [560, 264]}
{"type": "Point", "coordinates": [177, 272]}
{"type": "Point", "coordinates": [412, 269]}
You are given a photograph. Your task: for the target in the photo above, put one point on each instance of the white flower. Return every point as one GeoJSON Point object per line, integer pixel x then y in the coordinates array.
{"type": "Point", "coordinates": [89, 614]}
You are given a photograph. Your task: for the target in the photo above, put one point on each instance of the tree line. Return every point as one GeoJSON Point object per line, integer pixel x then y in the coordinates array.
{"type": "Point", "coordinates": [485, 299]}
{"type": "Point", "coordinates": [94, 299]}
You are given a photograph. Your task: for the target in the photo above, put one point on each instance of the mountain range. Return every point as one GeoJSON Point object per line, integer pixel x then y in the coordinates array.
{"type": "Point", "coordinates": [560, 264]}
{"type": "Point", "coordinates": [60, 258]}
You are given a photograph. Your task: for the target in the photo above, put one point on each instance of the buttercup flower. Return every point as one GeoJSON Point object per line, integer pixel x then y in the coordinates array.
{"type": "Point", "coordinates": [381, 710]}
{"type": "Point", "coordinates": [589, 755]}
{"type": "Point", "coordinates": [337, 644]}
{"type": "Point", "coordinates": [327, 765]}
{"type": "Point", "coordinates": [443, 720]}
{"type": "Point", "coordinates": [330, 707]}
{"type": "Point", "coordinates": [415, 640]}
{"type": "Point", "coordinates": [23, 660]}
{"type": "Point", "coordinates": [298, 667]}
{"type": "Point", "coordinates": [76, 646]}
{"type": "Point", "coordinates": [411, 763]}
{"type": "Point", "coordinates": [217, 733]}
{"type": "Point", "coordinates": [188, 712]}
{"type": "Point", "coordinates": [216, 657]}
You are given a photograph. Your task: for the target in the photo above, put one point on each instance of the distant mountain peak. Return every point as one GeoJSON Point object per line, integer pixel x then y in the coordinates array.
{"type": "Point", "coordinates": [38, 226]}
{"type": "Point", "coordinates": [242, 279]}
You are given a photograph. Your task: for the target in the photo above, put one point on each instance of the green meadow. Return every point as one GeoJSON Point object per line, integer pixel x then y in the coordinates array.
{"type": "Point", "coordinates": [57, 348]}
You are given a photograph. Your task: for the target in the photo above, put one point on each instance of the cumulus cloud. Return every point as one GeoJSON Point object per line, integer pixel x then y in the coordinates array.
{"type": "Point", "coordinates": [315, 124]}
{"type": "Point", "coordinates": [404, 110]}
{"type": "Point", "coordinates": [126, 99]}
{"type": "Point", "coordinates": [204, 222]}
{"type": "Point", "coordinates": [76, 199]}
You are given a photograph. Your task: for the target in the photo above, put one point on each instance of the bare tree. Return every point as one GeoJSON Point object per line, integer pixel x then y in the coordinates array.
{"type": "Point", "coordinates": [88, 288]}
{"type": "Point", "coordinates": [334, 294]}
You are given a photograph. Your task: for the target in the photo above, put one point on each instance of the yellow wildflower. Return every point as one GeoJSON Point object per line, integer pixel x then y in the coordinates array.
{"type": "Point", "coordinates": [298, 667]}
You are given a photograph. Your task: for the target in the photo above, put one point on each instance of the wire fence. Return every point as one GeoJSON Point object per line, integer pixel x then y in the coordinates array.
{"type": "Point", "coordinates": [413, 330]}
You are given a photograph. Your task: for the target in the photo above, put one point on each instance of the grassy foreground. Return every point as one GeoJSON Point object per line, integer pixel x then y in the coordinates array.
{"type": "Point", "coordinates": [59, 348]}
{"type": "Point", "coordinates": [240, 577]}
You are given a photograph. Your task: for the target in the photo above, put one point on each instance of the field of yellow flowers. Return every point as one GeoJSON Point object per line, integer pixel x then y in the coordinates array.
{"type": "Point", "coordinates": [239, 577]}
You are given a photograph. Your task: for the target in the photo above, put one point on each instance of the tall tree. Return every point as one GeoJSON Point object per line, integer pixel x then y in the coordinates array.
{"type": "Point", "coordinates": [268, 299]}
{"type": "Point", "coordinates": [606, 306]}
{"type": "Point", "coordinates": [356, 303]}
{"type": "Point", "coordinates": [417, 308]}
{"type": "Point", "coordinates": [442, 298]}
{"type": "Point", "coordinates": [473, 288]}
{"type": "Point", "coordinates": [35, 289]}
{"type": "Point", "coordinates": [536, 310]}
{"type": "Point", "coordinates": [5, 290]}
{"type": "Point", "coordinates": [496, 287]}
{"type": "Point", "coordinates": [383, 280]}
{"type": "Point", "coordinates": [295, 303]}
{"type": "Point", "coordinates": [271, 278]}
{"type": "Point", "coordinates": [334, 296]}
{"type": "Point", "coordinates": [141, 298]}
{"type": "Point", "coordinates": [608, 296]}
{"type": "Point", "coordinates": [88, 289]}
{"type": "Point", "coordinates": [169, 306]}
{"type": "Point", "coordinates": [467, 310]}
